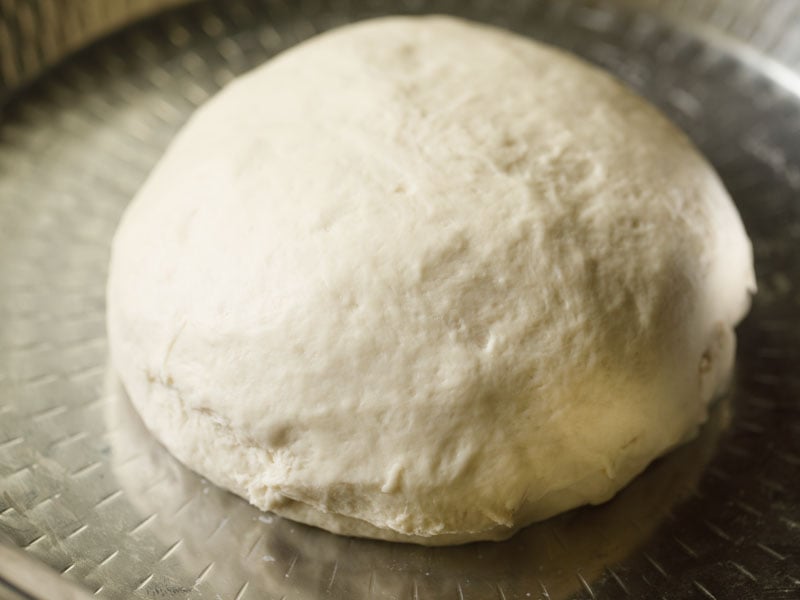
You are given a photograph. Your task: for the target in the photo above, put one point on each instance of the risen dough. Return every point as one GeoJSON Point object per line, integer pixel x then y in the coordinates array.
{"type": "Point", "coordinates": [424, 280]}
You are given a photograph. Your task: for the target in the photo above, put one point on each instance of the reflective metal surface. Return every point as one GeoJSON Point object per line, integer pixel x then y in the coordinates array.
{"type": "Point", "coordinates": [36, 34]}
{"type": "Point", "coordinates": [85, 490]}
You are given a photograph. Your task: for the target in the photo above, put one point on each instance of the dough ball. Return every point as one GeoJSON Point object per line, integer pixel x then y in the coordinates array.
{"type": "Point", "coordinates": [424, 280]}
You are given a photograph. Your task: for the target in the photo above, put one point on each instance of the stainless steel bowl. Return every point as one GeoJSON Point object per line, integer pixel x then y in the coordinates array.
{"type": "Point", "coordinates": [86, 493]}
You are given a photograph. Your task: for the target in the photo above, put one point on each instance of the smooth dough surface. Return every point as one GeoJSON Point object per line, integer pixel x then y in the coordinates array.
{"type": "Point", "coordinates": [424, 280]}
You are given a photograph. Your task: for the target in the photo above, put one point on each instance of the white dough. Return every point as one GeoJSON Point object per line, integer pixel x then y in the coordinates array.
{"type": "Point", "coordinates": [424, 280]}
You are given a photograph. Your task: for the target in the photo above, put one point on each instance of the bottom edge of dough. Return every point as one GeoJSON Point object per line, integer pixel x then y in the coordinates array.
{"type": "Point", "coordinates": [166, 416]}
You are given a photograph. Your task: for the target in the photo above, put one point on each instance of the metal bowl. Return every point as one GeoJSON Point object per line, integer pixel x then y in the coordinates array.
{"type": "Point", "coordinates": [86, 493]}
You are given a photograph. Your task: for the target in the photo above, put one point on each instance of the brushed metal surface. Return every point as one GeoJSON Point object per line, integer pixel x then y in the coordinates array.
{"type": "Point", "coordinates": [23, 576]}
{"type": "Point", "coordinates": [85, 490]}
{"type": "Point", "coordinates": [36, 34]}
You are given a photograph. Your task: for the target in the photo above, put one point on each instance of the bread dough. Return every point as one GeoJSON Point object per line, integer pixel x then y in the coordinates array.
{"type": "Point", "coordinates": [425, 280]}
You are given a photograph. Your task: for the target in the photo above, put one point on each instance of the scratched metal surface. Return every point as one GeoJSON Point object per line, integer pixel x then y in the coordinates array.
{"type": "Point", "coordinates": [83, 487]}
